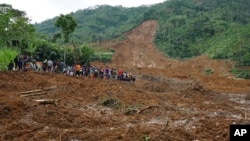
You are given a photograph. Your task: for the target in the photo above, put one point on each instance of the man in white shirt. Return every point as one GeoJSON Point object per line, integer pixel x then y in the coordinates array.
{"type": "Point", "coordinates": [50, 65]}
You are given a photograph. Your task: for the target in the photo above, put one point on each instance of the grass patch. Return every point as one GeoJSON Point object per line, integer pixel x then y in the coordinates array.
{"type": "Point", "coordinates": [131, 109]}
{"type": "Point", "coordinates": [146, 138]}
{"type": "Point", "coordinates": [6, 54]}
{"type": "Point", "coordinates": [208, 71]}
{"type": "Point", "coordinates": [102, 56]}
{"type": "Point", "coordinates": [240, 73]}
{"type": "Point", "coordinates": [110, 102]}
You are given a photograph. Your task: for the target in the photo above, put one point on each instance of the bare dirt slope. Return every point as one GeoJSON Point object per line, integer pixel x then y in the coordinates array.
{"type": "Point", "coordinates": [171, 100]}
{"type": "Point", "coordinates": [138, 48]}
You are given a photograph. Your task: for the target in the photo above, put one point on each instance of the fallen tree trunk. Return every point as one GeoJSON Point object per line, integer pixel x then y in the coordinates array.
{"type": "Point", "coordinates": [38, 90]}
{"type": "Point", "coordinates": [32, 91]}
{"type": "Point", "coordinates": [48, 101]}
{"type": "Point", "coordinates": [33, 94]}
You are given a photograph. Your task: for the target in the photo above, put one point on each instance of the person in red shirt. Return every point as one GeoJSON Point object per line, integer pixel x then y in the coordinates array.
{"type": "Point", "coordinates": [119, 74]}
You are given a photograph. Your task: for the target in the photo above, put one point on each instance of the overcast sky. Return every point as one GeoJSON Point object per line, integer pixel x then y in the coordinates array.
{"type": "Point", "coordinates": [40, 10]}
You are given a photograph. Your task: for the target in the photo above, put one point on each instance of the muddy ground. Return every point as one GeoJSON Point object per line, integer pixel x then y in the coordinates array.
{"type": "Point", "coordinates": [196, 99]}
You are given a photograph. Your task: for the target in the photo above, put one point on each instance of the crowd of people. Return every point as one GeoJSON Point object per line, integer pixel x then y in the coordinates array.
{"type": "Point", "coordinates": [26, 63]}
{"type": "Point", "coordinates": [95, 72]}
{"type": "Point", "coordinates": [21, 63]}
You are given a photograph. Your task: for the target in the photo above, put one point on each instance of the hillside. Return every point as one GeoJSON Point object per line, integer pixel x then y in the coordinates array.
{"type": "Point", "coordinates": [170, 99]}
{"type": "Point", "coordinates": [185, 28]}
{"type": "Point", "coordinates": [180, 99]}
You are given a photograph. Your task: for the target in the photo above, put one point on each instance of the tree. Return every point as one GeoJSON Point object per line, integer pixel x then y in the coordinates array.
{"type": "Point", "coordinates": [22, 31]}
{"type": "Point", "coordinates": [85, 54]}
{"type": "Point", "coordinates": [14, 26]}
{"type": "Point", "coordinates": [67, 24]}
{"type": "Point", "coordinates": [45, 50]}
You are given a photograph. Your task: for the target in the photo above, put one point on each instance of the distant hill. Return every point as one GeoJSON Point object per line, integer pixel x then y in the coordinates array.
{"type": "Point", "coordinates": [186, 28]}
{"type": "Point", "coordinates": [99, 22]}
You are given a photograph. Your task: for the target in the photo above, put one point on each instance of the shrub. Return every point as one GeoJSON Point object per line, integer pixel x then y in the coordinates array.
{"type": "Point", "coordinates": [131, 109]}
{"type": "Point", "coordinates": [110, 102]}
{"type": "Point", "coordinates": [102, 56]}
{"type": "Point", "coordinates": [207, 71]}
{"type": "Point", "coordinates": [6, 54]}
{"type": "Point", "coordinates": [239, 73]}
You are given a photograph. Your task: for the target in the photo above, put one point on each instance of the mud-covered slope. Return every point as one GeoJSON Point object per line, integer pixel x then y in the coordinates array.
{"type": "Point", "coordinates": [138, 49]}
{"type": "Point", "coordinates": [170, 100]}
{"type": "Point", "coordinates": [161, 108]}
{"type": "Point", "coordinates": [138, 54]}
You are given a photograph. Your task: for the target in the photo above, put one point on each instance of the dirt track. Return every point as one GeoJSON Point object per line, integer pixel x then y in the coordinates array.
{"type": "Point", "coordinates": [171, 100]}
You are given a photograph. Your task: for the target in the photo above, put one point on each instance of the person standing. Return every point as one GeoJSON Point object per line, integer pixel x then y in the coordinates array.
{"type": "Point", "coordinates": [50, 65]}
{"type": "Point", "coordinates": [20, 64]}
{"type": "Point", "coordinates": [10, 66]}
{"type": "Point", "coordinates": [44, 65]}
{"type": "Point", "coordinates": [77, 69]}
{"type": "Point", "coordinates": [16, 62]}
{"type": "Point", "coordinates": [62, 67]}
{"type": "Point", "coordinates": [107, 73]}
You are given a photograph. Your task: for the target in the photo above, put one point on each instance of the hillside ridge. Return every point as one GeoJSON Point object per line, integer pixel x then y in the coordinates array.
{"type": "Point", "coordinates": [185, 28]}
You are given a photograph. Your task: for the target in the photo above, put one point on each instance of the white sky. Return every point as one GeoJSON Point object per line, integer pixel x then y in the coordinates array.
{"type": "Point", "coordinates": [40, 10]}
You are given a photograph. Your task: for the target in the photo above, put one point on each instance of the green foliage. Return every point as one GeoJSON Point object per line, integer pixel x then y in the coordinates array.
{"type": "Point", "coordinates": [131, 109]}
{"type": "Point", "coordinates": [146, 138]}
{"type": "Point", "coordinates": [207, 71]}
{"type": "Point", "coordinates": [189, 27]}
{"type": "Point", "coordinates": [45, 50]}
{"type": "Point", "coordinates": [6, 54]}
{"type": "Point", "coordinates": [186, 28]}
{"type": "Point", "coordinates": [15, 28]}
{"type": "Point", "coordinates": [99, 23]}
{"type": "Point", "coordinates": [85, 54]}
{"type": "Point", "coordinates": [70, 58]}
{"type": "Point", "coordinates": [67, 24]}
{"type": "Point", "coordinates": [110, 102]}
{"type": "Point", "coordinates": [241, 73]}
{"type": "Point", "coordinates": [102, 56]}
{"type": "Point", "coordinates": [231, 44]}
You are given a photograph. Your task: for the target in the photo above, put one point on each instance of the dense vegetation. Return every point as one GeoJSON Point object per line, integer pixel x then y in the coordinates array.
{"type": "Point", "coordinates": [219, 28]}
{"type": "Point", "coordinates": [18, 37]}
{"type": "Point", "coordinates": [16, 33]}
{"type": "Point", "coordinates": [5, 56]}
{"type": "Point", "coordinates": [187, 28]}
{"type": "Point", "coordinates": [15, 28]}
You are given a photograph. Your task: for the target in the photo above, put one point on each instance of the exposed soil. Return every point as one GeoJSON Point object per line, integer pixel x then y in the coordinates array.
{"type": "Point", "coordinates": [195, 99]}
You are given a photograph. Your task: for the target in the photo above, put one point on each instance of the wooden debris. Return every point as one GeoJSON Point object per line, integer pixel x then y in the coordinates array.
{"type": "Point", "coordinates": [47, 101]}
{"type": "Point", "coordinates": [149, 107]}
{"type": "Point", "coordinates": [166, 125]}
{"type": "Point", "coordinates": [38, 90]}
{"type": "Point", "coordinates": [33, 94]}
{"type": "Point", "coordinates": [32, 91]}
